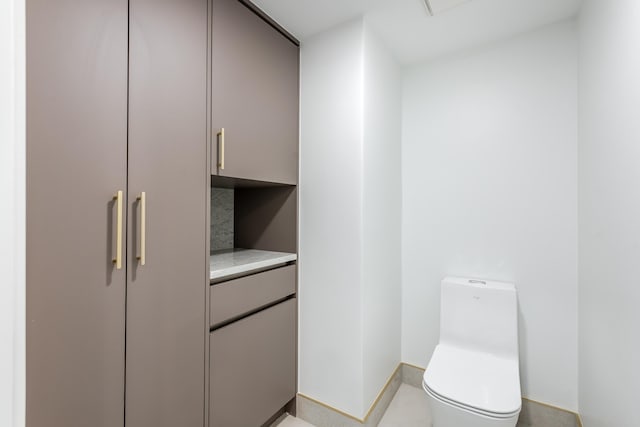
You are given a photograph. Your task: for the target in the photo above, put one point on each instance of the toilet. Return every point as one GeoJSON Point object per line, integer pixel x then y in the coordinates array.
{"type": "Point", "coordinates": [473, 377]}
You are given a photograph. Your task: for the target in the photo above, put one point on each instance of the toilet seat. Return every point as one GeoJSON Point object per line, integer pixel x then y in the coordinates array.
{"type": "Point", "coordinates": [474, 381]}
{"type": "Point", "coordinates": [466, 408]}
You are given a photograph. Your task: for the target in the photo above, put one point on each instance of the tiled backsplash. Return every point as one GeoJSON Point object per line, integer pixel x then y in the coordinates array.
{"type": "Point", "coordinates": [221, 218]}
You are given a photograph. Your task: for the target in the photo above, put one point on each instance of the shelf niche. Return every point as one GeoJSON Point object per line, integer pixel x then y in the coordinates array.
{"type": "Point", "coordinates": [265, 215]}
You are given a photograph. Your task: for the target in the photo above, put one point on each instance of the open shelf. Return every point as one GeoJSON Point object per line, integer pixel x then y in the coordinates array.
{"type": "Point", "coordinates": [231, 263]}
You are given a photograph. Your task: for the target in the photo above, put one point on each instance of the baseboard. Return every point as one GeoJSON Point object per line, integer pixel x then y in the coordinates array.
{"type": "Point", "coordinates": [320, 414]}
{"type": "Point", "coordinates": [412, 374]}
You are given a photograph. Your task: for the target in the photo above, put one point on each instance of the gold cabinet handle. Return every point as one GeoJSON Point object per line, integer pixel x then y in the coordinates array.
{"type": "Point", "coordinates": [142, 199]}
{"type": "Point", "coordinates": [118, 259]}
{"type": "Point", "coordinates": [221, 149]}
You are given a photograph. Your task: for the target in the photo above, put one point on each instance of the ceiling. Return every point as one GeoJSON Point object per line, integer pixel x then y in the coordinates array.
{"type": "Point", "coordinates": [413, 35]}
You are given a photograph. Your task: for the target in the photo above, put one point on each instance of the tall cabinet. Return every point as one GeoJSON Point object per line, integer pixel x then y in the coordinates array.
{"type": "Point", "coordinates": [168, 162]}
{"type": "Point", "coordinates": [253, 293]}
{"type": "Point", "coordinates": [117, 179]}
{"type": "Point", "coordinates": [76, 164]}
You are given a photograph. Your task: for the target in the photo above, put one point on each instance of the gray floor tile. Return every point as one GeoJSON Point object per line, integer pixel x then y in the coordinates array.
{"type": "Point", "coordinates": [290, 421]}
{"type": "Point", "coordinates": [407, 409]}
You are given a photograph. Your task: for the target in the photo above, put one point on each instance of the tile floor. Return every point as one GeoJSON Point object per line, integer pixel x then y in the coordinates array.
{"type": "Point", "coordinates": [290, 421]}
{"type": "Point", "coordinates": [407, 409]}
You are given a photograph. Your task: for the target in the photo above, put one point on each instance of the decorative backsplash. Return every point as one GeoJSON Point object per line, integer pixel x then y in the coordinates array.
{"type": "Point", "coordinates": [221, 218]}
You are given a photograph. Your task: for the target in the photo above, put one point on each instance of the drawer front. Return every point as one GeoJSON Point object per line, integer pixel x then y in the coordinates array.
{"type": "Point", "coordinates": [239, 296]}
{"type": "Point", "coordinates": [253, 367]}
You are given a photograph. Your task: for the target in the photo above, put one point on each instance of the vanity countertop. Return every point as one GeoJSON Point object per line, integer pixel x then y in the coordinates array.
{"type": "Point", "coordinates": [230, 263]}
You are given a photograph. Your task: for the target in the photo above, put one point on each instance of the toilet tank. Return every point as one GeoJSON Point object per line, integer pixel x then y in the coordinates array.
{"type": "Point", "coordinates": [479, 315]}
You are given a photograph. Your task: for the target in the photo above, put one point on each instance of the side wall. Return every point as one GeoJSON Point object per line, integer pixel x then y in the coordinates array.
{"type": "Point", "coordinates": [489, 158]}
{"type": "Point", "coordinates": [350, 276]}
{"type": "Point", "coordinates": [330, 281]}
{"type": "Point", "coordinates": [382, 205]}
{"type": "Point", "coordinates": [609, 213]}
{"type": "Point", "coordinates": [12, 214]}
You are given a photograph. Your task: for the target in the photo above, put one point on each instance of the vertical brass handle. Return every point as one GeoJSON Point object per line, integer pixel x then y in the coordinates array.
{"type": "Point", "coordinates": [142, 198]}
{"type": "Point", "coordinates": [118, 259]}
{"type": "Point", "coordinates": [221, 149]}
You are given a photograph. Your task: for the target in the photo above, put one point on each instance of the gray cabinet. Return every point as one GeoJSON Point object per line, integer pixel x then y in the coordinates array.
{"type": "Point", "coordinates": [252, 376]}
{"type": "Point", "coordinates": [168, 162]}
{"type": "Point", "coordinates": [116, 102]}
{"type": "Point", "coordinates": [254, 84]}
{"type": "Point", "coordinates": [76, 162]}
{"type": "Point", "coordinates": [253, 367]}
{"type": "Point", "coordinates": [254, 129]}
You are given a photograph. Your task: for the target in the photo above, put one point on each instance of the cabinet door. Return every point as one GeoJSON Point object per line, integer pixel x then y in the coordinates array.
{"type": "Point", "coordinates": [166, 327]}
{"type": "Point", "coordinates": [254, 96]}
{"type": "Point", "coordinates": [76, 161]}
{"type": "Point", "coordinates": [253, 367]}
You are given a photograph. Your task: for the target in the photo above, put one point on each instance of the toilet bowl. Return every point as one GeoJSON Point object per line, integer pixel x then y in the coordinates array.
{"type": "Point", "coordinates": [473, 377]}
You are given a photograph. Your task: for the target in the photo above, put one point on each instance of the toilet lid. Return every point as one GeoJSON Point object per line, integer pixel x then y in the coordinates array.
{"type": "Point", "coordinates": [478, 380]}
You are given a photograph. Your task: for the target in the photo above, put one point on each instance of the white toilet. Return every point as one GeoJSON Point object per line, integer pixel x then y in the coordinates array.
{"type": "Point", "coordinates": [473, 378]}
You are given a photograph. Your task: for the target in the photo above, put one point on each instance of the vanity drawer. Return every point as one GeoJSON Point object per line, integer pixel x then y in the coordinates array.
{"type": "Point", "coordinates": [239, 296]}
{"type": "Point", "coordinates": [253, 367]}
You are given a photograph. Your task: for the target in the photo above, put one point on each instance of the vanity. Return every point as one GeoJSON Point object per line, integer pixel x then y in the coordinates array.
{"type": "Point", "coordinates": [253, 336]}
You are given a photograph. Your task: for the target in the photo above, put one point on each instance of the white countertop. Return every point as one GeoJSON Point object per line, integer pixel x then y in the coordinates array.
{"type": "Point", "coordinates": [234, 262]}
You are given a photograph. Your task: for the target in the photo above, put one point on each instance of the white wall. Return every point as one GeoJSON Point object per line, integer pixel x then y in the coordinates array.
{"type": "Point", "coordinates": [609, 213]}
{"type": "Point", "coordinates": [349, 217]}
{"type": "Point", "coordinates": [12, 213]}
{"type": "Point", "coordinates": [330, 352]}
{"type": "Point", "coordinates": [489, 159]}
{"type": "Point", "coordinates": [381, 208]}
